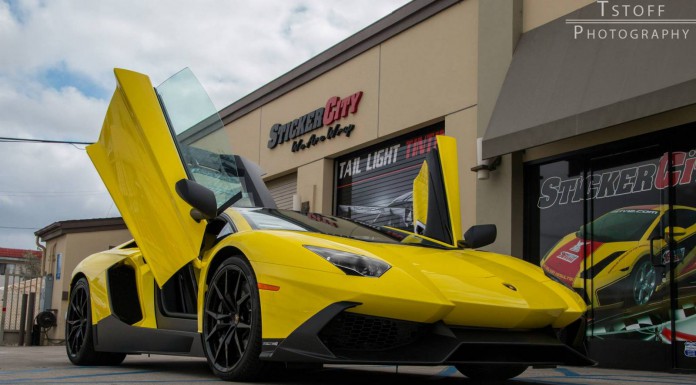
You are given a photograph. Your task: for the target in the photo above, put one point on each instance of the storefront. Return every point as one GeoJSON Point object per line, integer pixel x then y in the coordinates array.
{"type": "Point", "coordinates": [605, 124]}
{"type": "Point", "coordinates": [345, 132]}
{"type": "Point", "coordinates": [583, 139]}
{"type": "Point", "coordinates": [617, 223]}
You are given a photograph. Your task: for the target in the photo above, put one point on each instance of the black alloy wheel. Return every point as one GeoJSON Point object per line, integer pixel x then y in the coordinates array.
{"type": "Point", "coordinates": [79, 341]}
{"type": "Point", "coordinates": [232, 322]}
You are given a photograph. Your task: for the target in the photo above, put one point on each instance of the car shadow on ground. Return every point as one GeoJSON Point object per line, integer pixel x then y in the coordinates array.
{"type": "Point", "coordinates": [368, 375]}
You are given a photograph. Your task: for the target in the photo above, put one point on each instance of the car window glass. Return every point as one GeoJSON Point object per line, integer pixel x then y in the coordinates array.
{"type": "Point", "coordinates": [226, 230]}
{"type": "Point", "coordinates": [272, 219]}
{"type": "Point", "coordinates": [620, 225]}
{"type": "Point", "coordinates": [684, 218]}
{"type": "Point", "coordinates": [261, 220]}
{"type": "Point", "coordinates": [189, 110]}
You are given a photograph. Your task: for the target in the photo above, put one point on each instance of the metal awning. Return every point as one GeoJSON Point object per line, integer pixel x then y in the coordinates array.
{"type": "Point", "coordinates": [566, 80]}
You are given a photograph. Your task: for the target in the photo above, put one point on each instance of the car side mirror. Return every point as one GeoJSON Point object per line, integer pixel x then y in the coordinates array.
{"type": "Point", "coordinates": [580, 233]}
{"type": "Point", "coordinates": [199, 197]}
{"type": "Point", "coordinates": [479, 236]}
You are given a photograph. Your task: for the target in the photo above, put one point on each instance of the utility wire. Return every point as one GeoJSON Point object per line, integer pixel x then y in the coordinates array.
{"type": "Point", "coordinates": [49, 193]}
{"type": "Point", "coordinates": [19, 228]}
{"type": "Point", "coordinates": [25, 140]}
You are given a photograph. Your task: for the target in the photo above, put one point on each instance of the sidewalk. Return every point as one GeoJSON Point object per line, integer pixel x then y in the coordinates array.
{"type": "Point", "coordinates": [49, 365]}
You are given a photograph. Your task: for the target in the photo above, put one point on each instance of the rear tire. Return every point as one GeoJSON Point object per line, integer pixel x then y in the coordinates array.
{"type": "Point", "coordinates": [79, 339]}
{"type": "Point", "coordinates": [232, 322]}
{"type": "Point", "coordinates": [490, 372]}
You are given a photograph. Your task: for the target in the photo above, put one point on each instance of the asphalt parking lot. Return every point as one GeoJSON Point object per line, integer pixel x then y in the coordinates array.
{"type": "Point", "coordinates": [49, 365]}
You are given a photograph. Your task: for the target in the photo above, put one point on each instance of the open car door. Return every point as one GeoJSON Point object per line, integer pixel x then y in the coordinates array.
{"type": "Point", "coordinates": [143, 151]}
{"type": "Point", "coordinates": [436, 213]}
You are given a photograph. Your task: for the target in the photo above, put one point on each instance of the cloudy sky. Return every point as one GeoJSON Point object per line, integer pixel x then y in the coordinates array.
{"type": "Point", "coordinates": [56, 62]}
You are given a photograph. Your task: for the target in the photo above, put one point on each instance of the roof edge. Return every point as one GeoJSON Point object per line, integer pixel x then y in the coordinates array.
{"type": "Point", "coordinates": [59, 228]}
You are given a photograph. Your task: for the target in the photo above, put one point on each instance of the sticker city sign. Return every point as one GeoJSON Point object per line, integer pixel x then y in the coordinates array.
{"type": "Point", "coordinates": [629, 180]}
{"type": "Point", "coordinates": [336, 108]}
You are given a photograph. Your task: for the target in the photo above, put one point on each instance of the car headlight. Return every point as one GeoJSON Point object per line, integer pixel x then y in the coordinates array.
{"type": "Point", "coordinates": [352, 264]}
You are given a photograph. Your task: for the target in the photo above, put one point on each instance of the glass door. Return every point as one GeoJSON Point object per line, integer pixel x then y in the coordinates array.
{"type": "Point", "coordinates": [627, 205]}
{"type": "Point", "coordinates": [679, 257]}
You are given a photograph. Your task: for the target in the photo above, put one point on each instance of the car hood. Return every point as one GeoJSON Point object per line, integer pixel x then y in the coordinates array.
{"type": "Point", "coordinates": [474, 288]}
{"type": "Point", "coordinates": [486, 286]}
{"type": "Point", "coordinates": [567, 260]}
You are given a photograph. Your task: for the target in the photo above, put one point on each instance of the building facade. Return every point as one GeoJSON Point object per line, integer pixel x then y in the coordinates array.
{"type": "Point", "coordinates": [575, 129]}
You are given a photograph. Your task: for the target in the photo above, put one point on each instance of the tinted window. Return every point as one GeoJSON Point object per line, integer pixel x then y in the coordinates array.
{"type": "Point", "coordinates": [621, 225]}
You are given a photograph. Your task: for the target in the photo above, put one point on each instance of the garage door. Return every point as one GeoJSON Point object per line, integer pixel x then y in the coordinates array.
{"type": "Point", "coordinates": [374, 185]}
{"type": "Point", "coordinates": [282, 189]}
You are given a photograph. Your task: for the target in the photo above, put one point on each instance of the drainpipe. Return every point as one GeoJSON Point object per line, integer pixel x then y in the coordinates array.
{"type": "Point", "coordinates": [43, 255]}
{"type": "Point", "coordinates": [45, 295]}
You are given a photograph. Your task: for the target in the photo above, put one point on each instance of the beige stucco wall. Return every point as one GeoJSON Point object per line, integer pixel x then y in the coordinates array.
{"type": "Point", "coordinates": [75, 247]}
{"type": "Point", "coordinates": [462, 126]}
{"type": "Point", "coordinates": [317, 185]}
{"type": "Point", "coordinates": [539, 12]}
{"type": "Point", "coordinates": [358, 74]}
{"type": "Point", "coordinates": [430, 70]}
{"type": "Point", "coordinates": [499, 197]}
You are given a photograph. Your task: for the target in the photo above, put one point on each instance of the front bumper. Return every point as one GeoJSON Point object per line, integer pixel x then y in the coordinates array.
{"type": "Point", "coordinates": [339, 337]}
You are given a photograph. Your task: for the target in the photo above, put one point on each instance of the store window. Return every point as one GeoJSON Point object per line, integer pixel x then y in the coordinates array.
{"type": "Point", "coordinates": [617, 224]}
{"type": "Point", "coordinates": [374, 185]}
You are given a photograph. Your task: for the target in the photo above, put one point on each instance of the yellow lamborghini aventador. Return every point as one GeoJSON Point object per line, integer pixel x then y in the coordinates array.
{"type": "Point", "coordinates": [216, 270]}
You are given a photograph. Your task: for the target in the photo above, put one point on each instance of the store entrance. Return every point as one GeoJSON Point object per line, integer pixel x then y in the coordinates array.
{"type": "Point", "coordinates": [617, 224]}
{"type": "Point", "coordinates": [626, 206]}
{"type": "Point", "coordinates": [679, 257]}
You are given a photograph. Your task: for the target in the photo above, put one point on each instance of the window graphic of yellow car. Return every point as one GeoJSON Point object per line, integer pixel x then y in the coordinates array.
{"type": "Point", "coordinates": [609, 261]}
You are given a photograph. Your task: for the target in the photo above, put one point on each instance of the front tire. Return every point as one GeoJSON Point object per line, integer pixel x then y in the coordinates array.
{"type": "Point", "coordinates": [79, 340]}
{"type": "Point", "coordinates": [232, 322]}
{"type": "Point", "coordinates": [490, 372]}
{"type": "Point", "coordinates": [643, 281]}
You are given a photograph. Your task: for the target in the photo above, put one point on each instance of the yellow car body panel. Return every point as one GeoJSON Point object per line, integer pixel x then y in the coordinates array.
{"type": "Point", "coordinates": [138, 162]}
{"type": "Point", "coordinates": [450, 170]}
{"type": "Point", "coordinates": [420, 287]}
{"type": "Point", "coordinates": [94, 270]}
{"type": "Point", "coordinates": [420, 199]}
{"type": "Point", "coordinates": [436, 194]}
{"type": "Point", "coordinates": [146, 289]}
{"type": "Point", "coordinates": [458, 287]}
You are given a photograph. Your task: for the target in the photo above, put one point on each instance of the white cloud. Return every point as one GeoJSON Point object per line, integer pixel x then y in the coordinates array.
{"type": "Point", "coordinates": [56, 77]}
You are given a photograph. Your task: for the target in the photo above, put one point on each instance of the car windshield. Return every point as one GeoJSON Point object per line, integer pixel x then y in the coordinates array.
{"type": "Point", "coordinates": [622, 225]}
{"type": "Point", "coordinates": [274, 219]}
{"type": "Point", "coordinates": [189, 111]}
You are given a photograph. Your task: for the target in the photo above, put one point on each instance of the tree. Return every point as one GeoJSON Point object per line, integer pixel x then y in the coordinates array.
{"type": "Point", "coordinates": [31, 268]}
